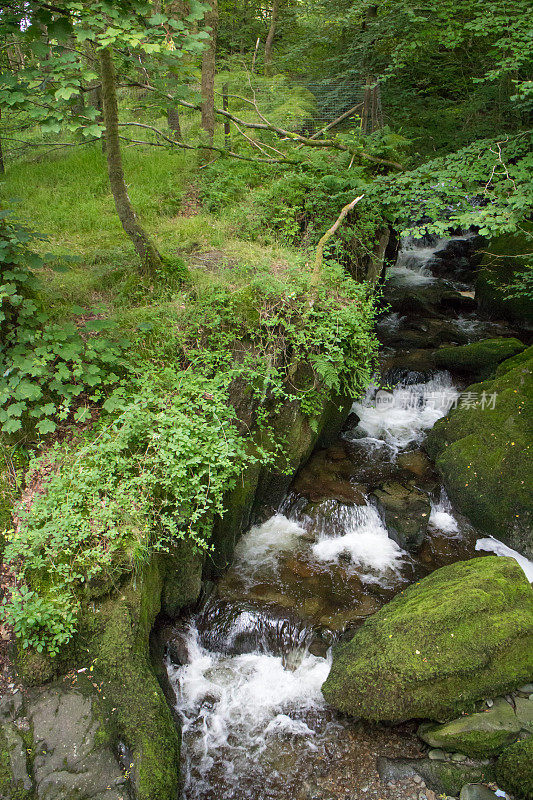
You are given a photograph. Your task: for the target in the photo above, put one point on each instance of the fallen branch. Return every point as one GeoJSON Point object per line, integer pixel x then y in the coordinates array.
{"type": "Point", "coordinates": [328, 234]}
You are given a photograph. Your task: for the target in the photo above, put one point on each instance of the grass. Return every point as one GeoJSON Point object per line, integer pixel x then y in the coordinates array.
{"type": "Point", "coordinates": [66, 197]}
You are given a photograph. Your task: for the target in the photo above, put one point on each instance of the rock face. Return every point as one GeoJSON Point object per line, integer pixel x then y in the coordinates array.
{"type": "Point", "coordinates": [482, 734]}
{"type": "Point", "coordinates": [504, 257]}
{"type": "Point", "coordinates": [406, 511]}
{"type": "Point", "coordinates": [479, 359]}
{"type": "Point", "coordinates": [55, 747]}
{"type": "Point", "coordinates": [463, 633]}
{"type": "Point", "coordinates": [484, 458]}
{"type": "Point", "coordinates": [514, 771]}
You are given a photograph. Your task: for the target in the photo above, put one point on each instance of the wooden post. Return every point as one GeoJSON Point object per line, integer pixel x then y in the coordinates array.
{"type": "Point", "coordinates": [366, 107]}
{"type": "Point", "coordinates": [227, 143]}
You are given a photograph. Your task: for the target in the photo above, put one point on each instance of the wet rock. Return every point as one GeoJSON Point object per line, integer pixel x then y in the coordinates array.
{"type": "Point", "coordinates": [478, 360]}
{"type": "Point", "coordinates": [461, 634]}
{"type": "Point", "coordinates": [441, 776]}
{"type": "Point", "coordinates": [417, 463]}
{"type": "Point", "coordinates": [406, 513]}
{"type": "Point", "coordinates": [476, 791]}
{"type": "Point", "coordinates": [437, 755]}
{"type": "Point", "coordinates": [480, 734]}
{"type": "Point", "coordinates": [482, 454]}
{"type": "Point", "coordinates": [327, 477]}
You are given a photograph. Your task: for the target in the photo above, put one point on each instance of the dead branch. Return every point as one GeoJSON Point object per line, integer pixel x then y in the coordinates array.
{"type": "Point", "coordinates": [328, 234]}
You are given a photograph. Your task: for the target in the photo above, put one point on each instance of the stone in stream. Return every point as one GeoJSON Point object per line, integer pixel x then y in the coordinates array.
{"type": "Point", "coordinates": [482, 734]}
{"type": "Point", "coordinates": [483, 454]}
{"type": "Point", "coordinates": [478, 360]}
{"type": "Point", "coordinates": [441, 776]}
{"type": "Point", "coordinates": [406, 513]}
{"type": "Point", "coordinates": [461, 634]}
{"type": "Point", "coordinates": [476, 791]}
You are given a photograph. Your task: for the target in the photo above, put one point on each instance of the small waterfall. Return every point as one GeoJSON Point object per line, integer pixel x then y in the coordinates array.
{"type": "Point", "coordinates": [401, 417]}
{"type": "Point", "coordinates": [441, 517]}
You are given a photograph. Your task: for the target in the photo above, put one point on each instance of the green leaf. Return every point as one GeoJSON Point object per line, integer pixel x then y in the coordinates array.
{"type": "Point", "coordinates": [45, 426]}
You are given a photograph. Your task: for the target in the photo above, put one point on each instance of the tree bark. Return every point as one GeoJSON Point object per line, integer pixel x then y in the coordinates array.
{"type": "Point", "coordinates": [208, 74]}
{"type": "Point", "coordinates": [147, 252]}
{"type": "Point", "coordinates": [2, 167]}
{"type": "Point", "coordinates": [270, 37]}
{"type": "Point", "coordinates": [173, 119]}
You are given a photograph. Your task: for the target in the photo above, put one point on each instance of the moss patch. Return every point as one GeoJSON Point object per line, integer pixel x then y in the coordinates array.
{"type": "Point", "coordinates": [483, 455]}
{"type": "Point", "coordinates": [514, 769]}
{"type": "Point", "coordinates": [479, 359]}
{"type": "Point", "coordinates": [463, 633]}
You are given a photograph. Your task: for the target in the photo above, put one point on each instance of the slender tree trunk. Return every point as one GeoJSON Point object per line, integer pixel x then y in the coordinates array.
{"type": "Point", "coordinates": [270, 37]}
{"type": "Point", "coordinates": [173, 119]}
{"type": "Point", "coordinates": [150, 258]}
{"type": "Point", "coordinates": [2, 167]}
{"type": "Point", "coordinates": [208, 73]}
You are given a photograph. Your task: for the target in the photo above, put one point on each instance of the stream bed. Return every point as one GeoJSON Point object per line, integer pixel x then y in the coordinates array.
{"type": "Point", "coordinates": [363, 519]}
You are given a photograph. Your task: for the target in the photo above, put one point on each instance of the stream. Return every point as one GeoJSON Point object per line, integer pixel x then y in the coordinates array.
{"type": "Point", "coordinates": [363, 519]}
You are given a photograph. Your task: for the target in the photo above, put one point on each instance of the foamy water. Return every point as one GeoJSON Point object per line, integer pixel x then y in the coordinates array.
{"type": "Point", "coordinates": [233, 707]}
{"type": "Point", "coordinates": [402, 416]}
{"type": "Point", "coordinates": [261, 547]}
{"type": "Point", "coordinates": [492, 545]}
{"type": "Point", "coordinates": [365, 546]}
{"type": "Point", "coordinates": [441, 517]}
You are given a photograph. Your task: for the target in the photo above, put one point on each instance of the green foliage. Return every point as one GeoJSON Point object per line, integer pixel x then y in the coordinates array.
{"type": "Point", "coordinates": [486, 185]}
{"type": "Point", "coordinates": [522, 285]}
{"type": "Point", "coordinates": [156, 471]}
{"type": "Point", "coordinates": [47, 371]}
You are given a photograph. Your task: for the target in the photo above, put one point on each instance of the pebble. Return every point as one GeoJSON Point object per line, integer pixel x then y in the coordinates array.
{"type": "Point", "coordinates": [458, 757]}
{"type": "Point", "coordinates": [437, 755]}
{"type": "Point", "coordinates": [527, 688]}
{"type": "Point", "coordinates": [489, 703]}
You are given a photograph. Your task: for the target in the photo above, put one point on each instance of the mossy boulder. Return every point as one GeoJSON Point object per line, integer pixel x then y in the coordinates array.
{"type": "Point", "coordinates": [478, 735]}
{"type": "Point", "coordinates": [478, 360]}
{"type": "Point", "coordinates": [514, 769]}
{"type": "Point", "coordinates": [463, 633]}
{"type": "Point", "coordinates": [483, 453]}
{"type": "Point", "coordinates": [504, 258]}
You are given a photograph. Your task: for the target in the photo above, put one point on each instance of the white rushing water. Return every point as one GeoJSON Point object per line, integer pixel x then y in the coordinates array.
{"type": "Point", "coordinates": [233, 708]}
{"type": "Point", "coordinates": [492, 545]}
{"type": "Point", "coordinates": [441, 517]}
{"type": "Point", "coordinates": [410, 267]}
{"type": "Point", "coordinates": [366, 543]}
{"type": "Point", "coordinates": [261, 547]}
{"type": "Point", "coordinates": [403, 415]}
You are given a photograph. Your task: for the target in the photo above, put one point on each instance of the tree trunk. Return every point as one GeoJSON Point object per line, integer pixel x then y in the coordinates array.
{"type": "Point", "coordinates": [208, 74]}
{"type": "Point", "coordinates": [270, 37]}
{"type": "Point", "coordinates": [173, 119]}
{"type": "Point", "coordinates": [150, 258]}
{"type": "Point", "coordinates": [2, 167]}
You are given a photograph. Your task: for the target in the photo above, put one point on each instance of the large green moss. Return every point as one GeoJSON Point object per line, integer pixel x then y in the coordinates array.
{"type": "Point", "coordinates": [504, 257]}
{"type": "Point", "coordinates": [478, 360]}
{"type": "Point", "coordinates": [514, 769]}
{"type": "Point", "coordinates": [463, 633]}
{"type": "Point", "coordinates": [483, 455]}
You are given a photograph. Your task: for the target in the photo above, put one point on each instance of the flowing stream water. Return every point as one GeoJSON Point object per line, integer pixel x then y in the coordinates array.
{"type": "Point", "coordinates": [252, 659]}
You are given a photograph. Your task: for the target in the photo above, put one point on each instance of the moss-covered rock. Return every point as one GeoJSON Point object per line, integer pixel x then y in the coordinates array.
{"type": "Point", "coordinates": [478, 360]}
{"type": "Point", "coordinates": [463, 633]}
{"type": "Point", "coordinates": [483, 454]}
{"type": "Point", "coordinates": [504, 257]}
{"type": "Point", "coordinates": [444, 777]}
{"type": "Point", "coordinates": [479, 735]}
{"type": "Point", "coordinates": [514, 769]}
